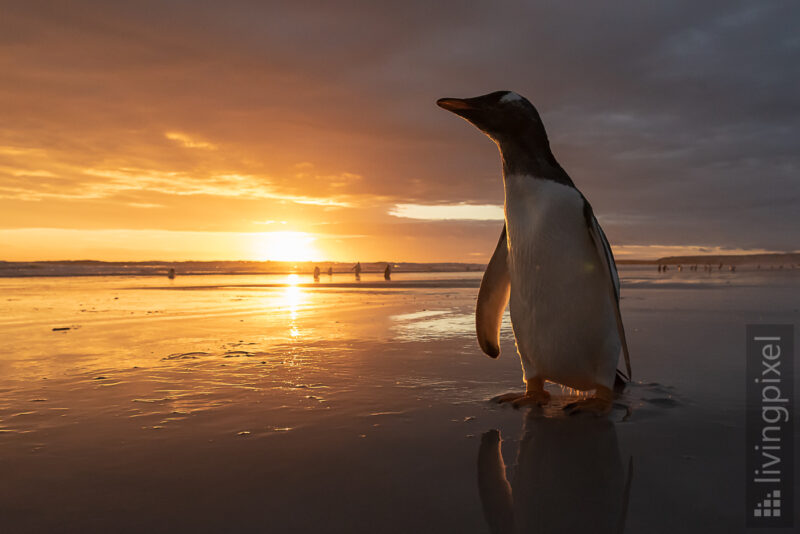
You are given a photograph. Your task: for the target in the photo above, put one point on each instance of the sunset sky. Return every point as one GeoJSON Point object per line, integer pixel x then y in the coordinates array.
{"type": "Point", "coordinates": [309, 130]}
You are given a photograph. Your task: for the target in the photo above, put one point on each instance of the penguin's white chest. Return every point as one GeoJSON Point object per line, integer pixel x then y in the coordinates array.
{"type": "Point", "coordinates": [561, 307]}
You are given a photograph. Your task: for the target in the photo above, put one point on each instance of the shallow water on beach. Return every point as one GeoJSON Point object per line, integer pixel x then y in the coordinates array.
{"type": "Point", "coordinates": [277, 404]}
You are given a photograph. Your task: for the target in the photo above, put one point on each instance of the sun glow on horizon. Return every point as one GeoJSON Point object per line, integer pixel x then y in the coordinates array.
{"type": "Point", "coordinates": [285, 246]}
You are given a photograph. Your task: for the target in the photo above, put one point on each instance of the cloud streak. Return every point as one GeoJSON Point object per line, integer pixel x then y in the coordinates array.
{"type": "Point", "coordinates": [448, 212]}
{"type": "Point", "coordinates": [188, 141]}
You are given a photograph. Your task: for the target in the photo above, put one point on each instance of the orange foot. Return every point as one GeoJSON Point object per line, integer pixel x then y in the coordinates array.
{"type": "Point", "coordinates": [507, 397]}
{"type": "Point", "coordinates": [598, 405]}
{"type": "Point", "coordinates": [534, 394]}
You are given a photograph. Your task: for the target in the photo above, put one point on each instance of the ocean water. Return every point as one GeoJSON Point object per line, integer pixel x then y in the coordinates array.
{"type": "Point", "coordinates": [271, 403]}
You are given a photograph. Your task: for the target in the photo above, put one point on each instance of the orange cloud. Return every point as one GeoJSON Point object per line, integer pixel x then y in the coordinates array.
{"type": "Point", "coordinates": [188, 141]}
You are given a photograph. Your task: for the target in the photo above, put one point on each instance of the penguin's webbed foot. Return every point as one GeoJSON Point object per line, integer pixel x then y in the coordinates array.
{"type": "Point", "coordinates": [507, 397]}
{"type": "Point", "coordinates": [538, 398]}
{"type": "Point", "coordinates": [600, 404]}
{"type": "Point", "coordinates": [534, 394]}
{"type": "Point", "coordinates": [592, 405]}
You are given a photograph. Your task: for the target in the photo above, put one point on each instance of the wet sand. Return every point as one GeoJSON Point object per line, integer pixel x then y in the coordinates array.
{"type": "Point", "coordinates": [268, 404]}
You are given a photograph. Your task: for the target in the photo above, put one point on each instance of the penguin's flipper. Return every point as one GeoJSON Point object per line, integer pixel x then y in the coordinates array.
{"type": "Point", "coordinates": [492, 299]}
{"type": "Point", "coordinates": [607, 261]}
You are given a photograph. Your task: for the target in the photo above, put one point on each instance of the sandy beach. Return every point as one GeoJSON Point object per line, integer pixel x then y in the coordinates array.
{"type": "Point", "coordinates": [274, 404]}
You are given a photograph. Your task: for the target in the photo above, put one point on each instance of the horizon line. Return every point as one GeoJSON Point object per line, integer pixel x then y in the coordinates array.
{"type": "Point", "coordinates": [458, 262]}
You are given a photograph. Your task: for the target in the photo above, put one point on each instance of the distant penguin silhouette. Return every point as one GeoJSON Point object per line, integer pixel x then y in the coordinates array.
{"type": "Point", "coordinates": [330, 271]}
{"type": "Point", "coordinates": [387, 273]}
{"type": "Point", "coordinates": [568, 478]}
{"type": "Point", "coordinates": [357, 269]}
{"type": "Point", "coordinates": [316, 274]}
{"type": "Point", "coordinates": [171, 274]}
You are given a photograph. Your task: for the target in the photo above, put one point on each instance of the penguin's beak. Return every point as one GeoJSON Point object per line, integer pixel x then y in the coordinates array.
{"type": "Point", "coordinates": [475, 111]}
{"type": "Point", "coordinates": [456, 105]}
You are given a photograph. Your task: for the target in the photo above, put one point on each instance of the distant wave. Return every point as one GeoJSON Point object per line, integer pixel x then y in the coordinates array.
{"type": "Point", "coordinates": [183, 268]}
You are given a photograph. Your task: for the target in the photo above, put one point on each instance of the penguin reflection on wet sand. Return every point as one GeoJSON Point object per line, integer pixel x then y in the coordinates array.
{"type": "Point", "coordinates": [553, 262]}
{"type": "Point", "coordinates": [568, 478]}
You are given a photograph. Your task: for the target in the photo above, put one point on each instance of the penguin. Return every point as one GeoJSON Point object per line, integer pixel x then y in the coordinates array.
{"type": "Point", "coordinates": [316, 273]}
{"type": "Point", "coordinates": [552, 262]}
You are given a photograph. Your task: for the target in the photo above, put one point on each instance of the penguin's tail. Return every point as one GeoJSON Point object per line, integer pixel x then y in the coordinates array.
{"type": "Point", "coordinates": [620, 381]}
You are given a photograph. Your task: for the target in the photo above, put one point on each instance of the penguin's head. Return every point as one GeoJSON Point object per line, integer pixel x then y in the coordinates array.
{"type": "Point", "coordinates": [503, 115]}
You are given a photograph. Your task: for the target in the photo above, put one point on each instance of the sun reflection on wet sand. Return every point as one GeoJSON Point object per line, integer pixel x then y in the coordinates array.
{"type": "Point", "coordinates": [293, 298]}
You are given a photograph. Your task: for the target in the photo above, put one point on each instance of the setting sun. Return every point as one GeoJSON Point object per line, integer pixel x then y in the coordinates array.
{"type": "Point", "coordinates": [285, 246]}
